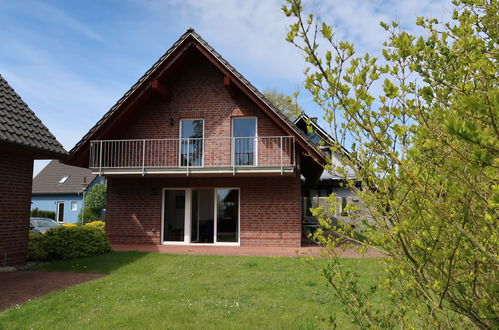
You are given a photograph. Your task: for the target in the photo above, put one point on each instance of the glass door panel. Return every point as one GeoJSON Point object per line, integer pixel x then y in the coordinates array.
{"type": "Point", "coordinates": [174, 216]}
{"type": "Point", "coordinates": [191, 142]}
{"type": "Point", "coordinates": [202, 216]}
{"type": "Point", "coordinates": [227, 215]}
{"type": "Point", "coordinates": [244, 133]}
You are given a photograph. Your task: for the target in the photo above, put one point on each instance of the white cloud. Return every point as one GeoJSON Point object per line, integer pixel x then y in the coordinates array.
{"type": "Point", "coordinates": [71, 79]}
{"type": "Point", "coordinates": [50, 15]}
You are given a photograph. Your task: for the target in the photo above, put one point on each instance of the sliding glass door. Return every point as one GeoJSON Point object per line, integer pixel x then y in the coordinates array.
{"type": "Point", "coordinates": [227, 215]}
{"type": "Point", "coordinates": [201, 216]}
{"type": "Point", "coordinates": [174, 219]}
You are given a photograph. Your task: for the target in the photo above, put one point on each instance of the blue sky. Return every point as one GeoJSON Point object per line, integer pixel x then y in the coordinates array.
{"type": "Point", "coordinates": [72, 60]}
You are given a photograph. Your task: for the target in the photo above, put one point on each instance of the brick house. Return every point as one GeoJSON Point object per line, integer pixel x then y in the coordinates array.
{"type": "Point", "coordinates": [23, 138]}
{"type": "Point", "coordinates": [194, 154]}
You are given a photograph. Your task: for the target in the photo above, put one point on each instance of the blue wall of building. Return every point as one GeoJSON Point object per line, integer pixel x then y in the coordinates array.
{"type": "Point", "coordinates": [49, 202]}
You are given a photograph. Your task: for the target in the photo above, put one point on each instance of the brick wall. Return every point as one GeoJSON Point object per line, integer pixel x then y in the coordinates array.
{"type": "Point", "coordinates": [196, 93]}
{"type": "Point", "coordinates": [16, 174]}
{"type": "Point", "coordinates": [270, 208]}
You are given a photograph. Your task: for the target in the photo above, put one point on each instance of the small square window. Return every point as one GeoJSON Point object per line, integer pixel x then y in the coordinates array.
{"type": "Point", "coordinates": [64, 179]}
{"type": "Point", "coordinates": [74, 206]}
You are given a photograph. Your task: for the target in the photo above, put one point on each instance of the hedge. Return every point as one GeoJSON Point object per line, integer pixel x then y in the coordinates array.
{"type": "Point", "coordinates": [36, 213]}
{"type": "Point", "coordinates": [67, 243]}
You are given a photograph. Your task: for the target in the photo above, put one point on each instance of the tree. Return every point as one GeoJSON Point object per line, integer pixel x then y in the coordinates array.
{"type": "Point", "coordinates": [94, 203]}
{"type": "Point", "coordinates": [284, 103]}
{"type": "Point", "coordinates": [426, 150]}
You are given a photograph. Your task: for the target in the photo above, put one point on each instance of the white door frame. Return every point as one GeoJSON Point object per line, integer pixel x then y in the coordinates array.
{"type": "Point", "coordinates": [188, 220]}
{"type": "Point", "coordinates": [57, 210]}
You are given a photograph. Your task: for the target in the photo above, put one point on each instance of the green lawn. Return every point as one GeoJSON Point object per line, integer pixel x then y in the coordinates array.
{"type": "Point", "coordinates": [149, 290]}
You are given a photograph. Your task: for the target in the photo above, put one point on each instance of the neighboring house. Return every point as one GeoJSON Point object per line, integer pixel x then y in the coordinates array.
{"type": "Point", "coordinates": [61, 188]}
{"type": "Point", "coordinates": [23, 138]}
{"type": "Point", "coordinates": [315, 192]}
{"type": "Point", "coordinates": [194, 154]}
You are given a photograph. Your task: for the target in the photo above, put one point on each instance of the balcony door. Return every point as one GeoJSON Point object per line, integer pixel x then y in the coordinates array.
{"type": "Point", "coordinates": [191, 142]}
{"type": "Point", "coordinates": [244, 141]}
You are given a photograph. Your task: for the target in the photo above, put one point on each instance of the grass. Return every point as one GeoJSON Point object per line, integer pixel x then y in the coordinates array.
{"type": "Point", "coordinates": [149, 290]}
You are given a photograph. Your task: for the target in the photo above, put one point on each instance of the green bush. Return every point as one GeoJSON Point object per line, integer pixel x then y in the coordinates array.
{"type": "Point", "coordinates": [96, 224]}
{"type": "Point", "coordinates": [68, 243]}
{"type": "Point", "coordinates": [89, 215]}
{"type": "Point", "coordinates": [36, 213]}
{"type": "Point", "coordinates": [36, 247]}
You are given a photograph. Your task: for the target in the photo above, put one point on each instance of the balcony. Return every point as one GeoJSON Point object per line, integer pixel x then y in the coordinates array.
{"type": "Point", "coordinates": [194, 156]}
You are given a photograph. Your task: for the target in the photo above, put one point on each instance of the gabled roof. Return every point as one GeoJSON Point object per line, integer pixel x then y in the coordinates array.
{"type": "Point", "coordinates": [325, 136]}
{"type": "Point", "coordinates": [191, 38]}
{"type": "Point", "coordinates": [47, 181]}
{"type": "Point", "coordinates": [328, 140]}
{"type": "Point", "coordinates": [20, 126]}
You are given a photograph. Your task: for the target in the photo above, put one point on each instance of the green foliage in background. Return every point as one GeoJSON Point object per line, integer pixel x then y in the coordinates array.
{"type": "Point", "coordinates": [94, 204]}
{"type": "Point", "coordinates": [420, 120]}
{"type": "Point", "coordinates": [36, 213]}
{"type": "Point", "coordinates": [284, 103]}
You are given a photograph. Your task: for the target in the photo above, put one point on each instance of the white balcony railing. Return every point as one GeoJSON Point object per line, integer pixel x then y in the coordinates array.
{"type": "Point", "coordinates": [232, 153]}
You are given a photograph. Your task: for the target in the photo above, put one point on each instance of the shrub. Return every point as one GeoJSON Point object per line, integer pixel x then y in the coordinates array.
{"type": "Point", "coordinates": [36, 247]}
{"type": "Point", "coordinates": [96, 224]}
{"type": "Point", "coordinates": [36, 213]}
{"type": "Point", "coordinates": [69, 224]}
{"type": "Point", "coordinates": [67, 243]}
{"type": "Point", "coordinates": [89, 215]}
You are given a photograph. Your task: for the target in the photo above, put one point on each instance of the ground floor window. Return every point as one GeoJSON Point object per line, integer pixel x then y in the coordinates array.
{"type": "Point", "coordinates": [204, 215]}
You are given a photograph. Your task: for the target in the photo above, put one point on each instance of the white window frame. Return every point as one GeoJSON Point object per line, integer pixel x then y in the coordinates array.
{"type": "Point", "coordinates": [232, 138]}
{"type": "Point", "coordinates": [180, 142]}
{"type": "Point", "coordinates": [188, 220]}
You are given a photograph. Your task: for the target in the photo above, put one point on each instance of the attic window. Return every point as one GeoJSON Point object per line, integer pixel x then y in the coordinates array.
{"type": "Point", "coordinates": [64, 179]}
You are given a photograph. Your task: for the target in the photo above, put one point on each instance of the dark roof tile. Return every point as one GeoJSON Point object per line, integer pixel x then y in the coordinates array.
{"type": "Point", "coordinates": [20, 125]}
{"type": "Point", "coordinates": [47, 181]}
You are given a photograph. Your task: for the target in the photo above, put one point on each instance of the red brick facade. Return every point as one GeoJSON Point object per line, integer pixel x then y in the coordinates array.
{"type": "Point", "coordinates": [270, 208]}
{"type": "Point", "coordinates": [16, 174]}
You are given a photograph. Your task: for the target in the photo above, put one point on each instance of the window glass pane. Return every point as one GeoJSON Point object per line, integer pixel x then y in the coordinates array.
{"type": "Point", "coordinates": [174, 215]}
{"type": "Point", "coordinates": [191, 144]}
{"type": "Point", "coordinates": [74, 206]}
{"type": "Point", "coordinates": [227, 215]}
{"type": "Point", "coordinates": [244, 127]}
{"type": "Point", "coordinates": [244, 131]}
{"type": "Point", "coordinates": [202, 215]}
{"type": "Point", "coordinates": [60, 211]}
{"type": "Point", "coordinates": [314, 137]}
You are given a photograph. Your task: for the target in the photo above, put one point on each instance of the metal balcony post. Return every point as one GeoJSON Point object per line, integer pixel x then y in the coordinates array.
{"type": "Point", "coordinates": [188, 154]}
{"type": "Point", "coordinates": [280, 138]}
{"type": "Point", "coordinates": [233, 155]}
{"type": "Point", "coordinates": [143, 156]}
{"type": "Point", "coordinates": [294, 152]}
{"type": "Point", "coordinates": [100, 159]}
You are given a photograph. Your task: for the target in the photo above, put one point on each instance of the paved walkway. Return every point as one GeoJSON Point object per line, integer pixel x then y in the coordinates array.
{"type": "Point", "coordinates": [313, 251]}
{"type": "Point", "coordinates": [18, 287]}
